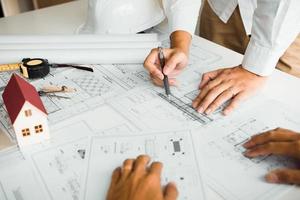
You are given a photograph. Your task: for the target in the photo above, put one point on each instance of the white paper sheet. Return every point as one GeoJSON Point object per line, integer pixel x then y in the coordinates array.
{"type": "Point", "coordinates": [174, 149]}
{"type": "Point", "coordinates": [227, 170]}
{"type": "Point", "coordinates": [120, 99]}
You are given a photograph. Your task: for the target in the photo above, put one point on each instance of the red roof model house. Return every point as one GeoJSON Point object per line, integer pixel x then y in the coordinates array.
{"type": "Point", "coordinates": [26, 111]}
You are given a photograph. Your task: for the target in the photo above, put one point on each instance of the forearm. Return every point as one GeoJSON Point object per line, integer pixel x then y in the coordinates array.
{"type": "Point", "coordinates": [181, 40]}
{"type": "Point", "coordinates": [275, 26]}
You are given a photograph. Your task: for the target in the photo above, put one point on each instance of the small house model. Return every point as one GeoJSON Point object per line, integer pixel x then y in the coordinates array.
{"type": "Point", "coordinates": [26, 111]}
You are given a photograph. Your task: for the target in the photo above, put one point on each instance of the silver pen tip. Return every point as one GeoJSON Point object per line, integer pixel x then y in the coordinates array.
{"type": "Point", "coordinates": [169, 97]}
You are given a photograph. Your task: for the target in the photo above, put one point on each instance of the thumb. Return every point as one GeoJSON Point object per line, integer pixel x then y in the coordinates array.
{"type": "Point", "coordinates": [173, 62]}
{"type": "Point", "coordinates": [288, 176]}
{"type": "Point", "coordinates": [171, 192]}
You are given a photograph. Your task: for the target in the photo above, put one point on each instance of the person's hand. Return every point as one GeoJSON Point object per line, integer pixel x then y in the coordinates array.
{"type": "Point", "coordinates": [221, 85]}
{"type": "Point", "coordinates": [278, 142]}
{"type": "Point", "coordinates": [138, 181]}
{"type": "Point", "coordinates": [176, 59]}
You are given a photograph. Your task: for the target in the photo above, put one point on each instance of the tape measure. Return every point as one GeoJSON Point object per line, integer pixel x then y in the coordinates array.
{"type": "Point", "coordinates": [34, 68]}
{"type": "Point", "coordinates": [29, 68]}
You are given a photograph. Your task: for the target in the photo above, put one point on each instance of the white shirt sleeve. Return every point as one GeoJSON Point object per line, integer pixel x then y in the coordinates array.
{"type": "Point", "coordinates": [276, 25]}
{"type": "Point", "coordinates": [182, 14]}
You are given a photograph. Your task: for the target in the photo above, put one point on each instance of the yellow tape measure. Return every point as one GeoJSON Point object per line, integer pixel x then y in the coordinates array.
{"type": "Point", "coordinates": [10, 67]}
{"type": "Point", "coordinates": [29, 68]}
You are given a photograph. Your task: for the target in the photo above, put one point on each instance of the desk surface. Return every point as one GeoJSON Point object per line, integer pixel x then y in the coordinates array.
{"type": "Point", "coordinates": [65, 19]}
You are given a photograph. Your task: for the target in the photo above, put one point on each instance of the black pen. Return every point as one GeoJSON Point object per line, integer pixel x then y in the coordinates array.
{"type": "Point", "coordinates": [162, 64]}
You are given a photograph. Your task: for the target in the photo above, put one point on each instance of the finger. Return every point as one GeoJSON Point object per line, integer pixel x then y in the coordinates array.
{"type": "Point", "coordinates": [174, 73]}
{"type": "Point", "coordinates": [173, 62]}
{"type": "Point", "coordinates": [206, 77]}
{"type": "Point", "coordinates": [141, 163]}
{"type": "Point", "coordinates": [234, 103]}
{"type": "Point", "coordinates": [156, 168]}
{"type": "Point", "coordinates": [276, 148]}
{"type": "Point", "coordinates": [204, 91]}
{"type": "Point", "coordinates": [151, 66]}
{"type": "Point", "coordinates": [288, 176]}
{"type": "Point", "coordinates": [220, 100]}
{"type": "Point", "coordinates": [211, 96]}
{"type": "Point", "coordinates": [171, 192]}
{"type": "Point", "coordinates": [114, 180]}
{"type": "Point", "coordinates": [116, 176]}
{"type": "Point", "coordinates": [158, 82]}
{"type": "Point", "coordinates": [127, 168]}
{"type": "Point", "coordinates": [275, 135]}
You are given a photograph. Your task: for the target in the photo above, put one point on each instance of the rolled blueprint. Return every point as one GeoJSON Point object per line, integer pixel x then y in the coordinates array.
{"type": "Point", "coordinates": [18, 39]}
{"type": "Point", "coordinates": [78, 49]}
{"type": "Point", "coordinates": [78, 56]}
{"type": "Point", "coordinates": [78, 46]}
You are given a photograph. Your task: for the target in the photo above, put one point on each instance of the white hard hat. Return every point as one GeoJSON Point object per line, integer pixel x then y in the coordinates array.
{"type": "Point", "coordinates": [122, 16]}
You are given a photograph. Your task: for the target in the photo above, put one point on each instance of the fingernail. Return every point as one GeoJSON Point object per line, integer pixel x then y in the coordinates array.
{"type": "Point", "coordinates": [247, 144]}
{"type": "Point", "coordinates": [166, 70]}
{"type": "Point", "coordinates": [225, 112]}
{"type": "Point", "coordinates": [208, 111]}
{"type": "Point", "coordinates": [194, 104]}
{"type": "Point", "coordinates": [272, 178]}
{"type": "Point", "coordinates": [248, 153]}
{"type": "Point", "coordinates": [200, 110]}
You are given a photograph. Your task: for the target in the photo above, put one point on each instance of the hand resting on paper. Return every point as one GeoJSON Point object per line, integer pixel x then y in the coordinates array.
{"type": "Point", "coordinates": [235, 84]}
{"type": "Point", "coordinates": [277, 142]}
{"type": "Point", "coordinates": [137, 180]}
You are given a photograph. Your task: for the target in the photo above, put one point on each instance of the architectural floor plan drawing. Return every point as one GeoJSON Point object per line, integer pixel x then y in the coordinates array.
{"type": "Point", "coordinates": [222, 144]}
{"type": "Point", "coordinates": [17, 179]}
{"type": "Point", "coordinates": [109, 81]}
{"type": "Point", "coordinates": [175, 149]}
{"type": "Point", "coordinates": [60, 169]}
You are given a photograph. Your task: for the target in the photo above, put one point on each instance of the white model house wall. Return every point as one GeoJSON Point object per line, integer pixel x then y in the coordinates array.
{"type": "Point", "coordinates": [29, 122]}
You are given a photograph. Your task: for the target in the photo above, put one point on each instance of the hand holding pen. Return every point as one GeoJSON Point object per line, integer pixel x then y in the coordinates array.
{"type": "Point", "coordinates": [162, 64]}
{"type": "Point", "coordinates": [176, 59]}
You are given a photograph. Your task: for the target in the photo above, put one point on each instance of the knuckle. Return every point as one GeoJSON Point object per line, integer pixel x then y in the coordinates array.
{"type": "Point", "coordinates": [297, 145]}
{"type": "Point", "coordinates": [227, 72]}
{"type": "Point", "coordinates": [269, 145]}
{"type": "Point", "coordinates": [270, 134]}
{"type": "Point", "coordinates": [158, 164]}
{"type": "Point", "coordinates": [285, 176]}
{"type": "Point", "coordinates": [209, 86]}
{"type": "Point", "coordinates": [153, 50]}
{"type": "Point", "coordinates": [142, 157]}
{"type": "Point", "coordinates": [128, 162]}
{"type": "Point", "coordinates": [214, 105]}
{"type": "Point", "coordinates": [152, 178]}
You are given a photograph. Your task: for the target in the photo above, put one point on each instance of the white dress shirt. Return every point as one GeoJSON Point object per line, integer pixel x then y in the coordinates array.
{"type": "Point", "coordinates": [272, 24]}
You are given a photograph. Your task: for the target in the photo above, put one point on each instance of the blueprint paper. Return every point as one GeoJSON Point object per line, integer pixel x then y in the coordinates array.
{"type": "Point", "coordinates": [220, 146]}
{"type": "Point", "coordinates": [175, 149]}
{"type": "Point", "coordinates": [120, 99]}
{"type": "Point", "coordinates": [17, 179]}
{"type": "Point", "coordinates": [56, 167]}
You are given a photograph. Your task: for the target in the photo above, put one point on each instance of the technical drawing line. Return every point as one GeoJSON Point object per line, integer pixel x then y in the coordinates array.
{"type": "Point", "coordinates": [186, 109]}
